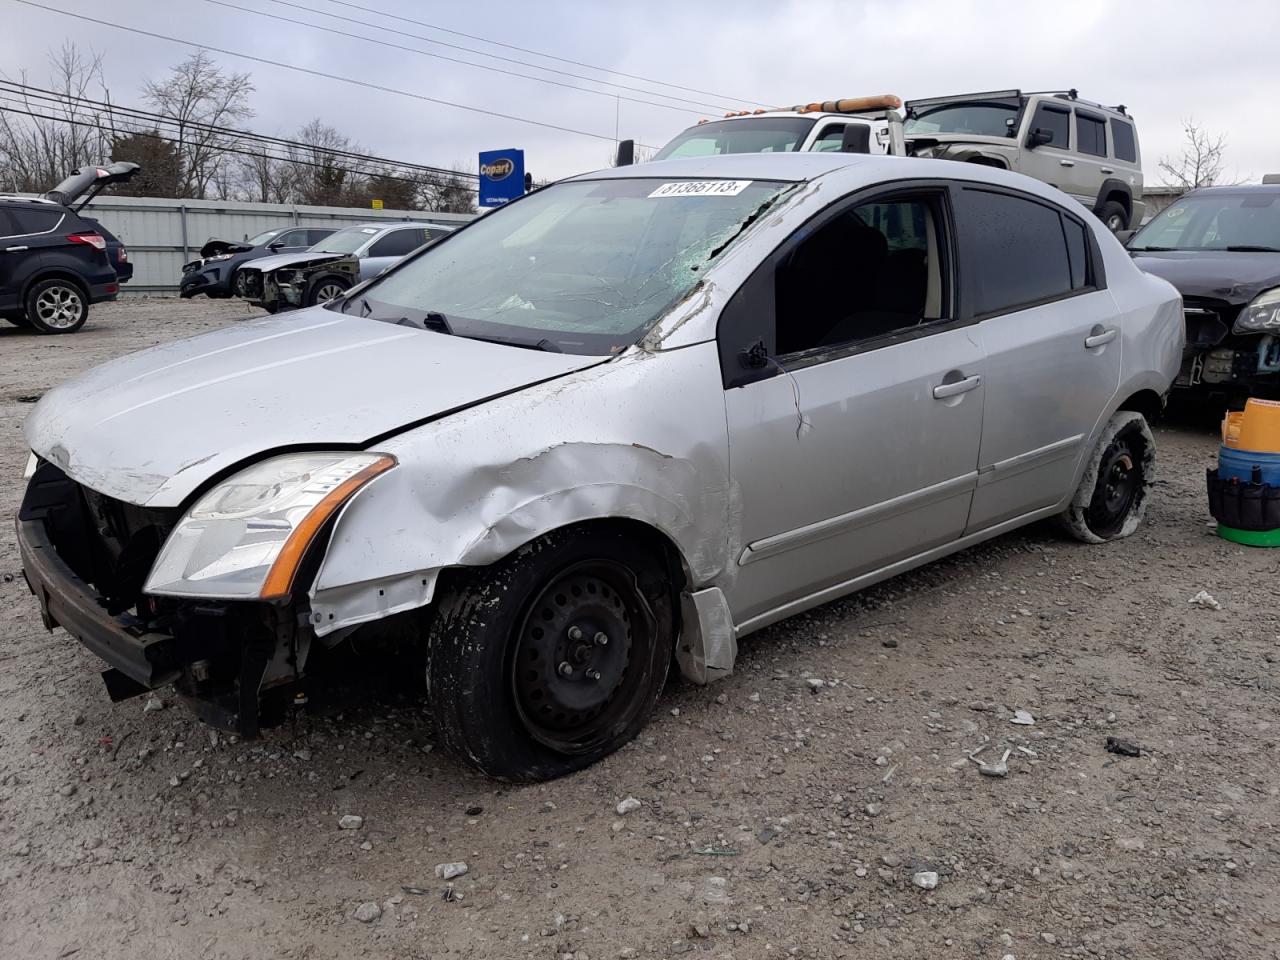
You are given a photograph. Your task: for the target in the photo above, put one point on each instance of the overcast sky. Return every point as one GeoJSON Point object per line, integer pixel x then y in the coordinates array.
{"type": "Point", "coordinates": [1167, 61]}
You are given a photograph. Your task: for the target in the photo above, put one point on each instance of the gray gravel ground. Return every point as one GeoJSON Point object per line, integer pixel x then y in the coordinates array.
{"type": "Point", "coordinates": [777, 817]}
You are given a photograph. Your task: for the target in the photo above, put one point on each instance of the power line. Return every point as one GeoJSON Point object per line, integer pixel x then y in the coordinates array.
{"type": "Point", "coordinates": [224, 149]}
{"type": "Point", "coordinates": [320, 73]}
{"type": "Point", "coordinates": [493, 56]}
{"type": "Point", "coordinates": [151, 117]}
{"type": "Point", "coordinates": [536, 53]}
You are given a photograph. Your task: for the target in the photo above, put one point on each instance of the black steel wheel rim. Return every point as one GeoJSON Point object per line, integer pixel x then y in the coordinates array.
{"type": "Point", "coordinates": [1119, 480]}
{"type": "Point", "coordinates": [581, 656]}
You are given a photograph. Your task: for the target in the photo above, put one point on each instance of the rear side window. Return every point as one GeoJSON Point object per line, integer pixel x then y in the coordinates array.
{"type": "Point", "coordinates": [1122, 137]}
{"type": "Point", "coordinates": [1091, 135]}
{"type": "Point", "coordinates": [1014, 250]}
{"type": "Point", "coordinates": [7, 227]}
{"type": "Point", "coordinates": [35, 220]}
{"type": "Point", "coordinates": [315, 236]}
{"type": "Point", "coordinates": [1055, 122]}
{"type": "Point", "coordinates": [1077, 252]}
{"type": "Point", "coordinates": [398, 243]}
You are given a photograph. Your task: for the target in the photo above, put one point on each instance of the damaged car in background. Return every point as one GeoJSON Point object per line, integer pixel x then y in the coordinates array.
{"type": "Point", "coordinates": [333, 265]}
{"type": "Point", "coordinates": [1220, 246]}
{"type": "Point", "coordinates": [216, 273]}
{"type": "Point", "coordinates": [615, 425]}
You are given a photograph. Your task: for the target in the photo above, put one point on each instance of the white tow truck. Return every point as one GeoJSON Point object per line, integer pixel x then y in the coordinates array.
{"type": "Point", "coordinates": [852, 125]}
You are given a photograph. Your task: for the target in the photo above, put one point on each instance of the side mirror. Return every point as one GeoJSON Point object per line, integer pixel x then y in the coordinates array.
{"type": "Point", "coordinates": [275, 245]}
{"type": "Point", "coordinates": [856, 139]}
{"type": "Point", "coordinates": [626, 153]}
{"type": "Point", "coordinates": [1038, 138]}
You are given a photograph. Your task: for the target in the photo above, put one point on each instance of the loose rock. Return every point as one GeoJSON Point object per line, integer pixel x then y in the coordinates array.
{"type": "Point", "coordinates": [925, 880]}
{"type": "Point", "coordinates": [627, 806]}
{"type": "Point", "coordinates": [368, 912]}
{"type": "Point", "coordinates": [351, 822]}
{"type": "Point", "coordinates": [447, 871]}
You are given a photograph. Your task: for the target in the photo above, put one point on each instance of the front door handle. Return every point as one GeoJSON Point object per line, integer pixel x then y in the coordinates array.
{"type": "Point", "coordinates": [1107, 170]}
{"type": "Point", "coordinates": [15, 249]}
{"type": "Point", "coordinates": [1100, 339]}
{"type": "Point", "coordinates": [1067, 163]}
{"type": "Point", "coordinates": [944, 390]}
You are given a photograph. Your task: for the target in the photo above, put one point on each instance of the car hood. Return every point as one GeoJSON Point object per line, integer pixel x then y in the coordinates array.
{"type": "Point", "coordinates": [151, 428]}
{"type": "Point", "coordinates": [306, 258]}
{"type": "Point", "coordinates": [1218, 274]}
{"type": "Point", "coordinates": [216, 247]}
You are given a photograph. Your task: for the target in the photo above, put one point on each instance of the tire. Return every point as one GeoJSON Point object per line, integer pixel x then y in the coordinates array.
{"type": "Point", "coordinates": [238, 288]}
{"type": "Point", "coordinates": [324, 289]}
{"type": "Point", "coordinates": [521, 684]}
{"type": "Point", "coordinates": [1112, 497]}
{"type": "Point", "coordinates": [1114, 216]}
{"type": "Point", "coordinates": [57, 306]}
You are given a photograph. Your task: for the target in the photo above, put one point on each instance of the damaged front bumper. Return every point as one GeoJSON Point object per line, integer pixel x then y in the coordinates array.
{"type": "Point", "coordinates": [83, 557]}
{"type": "Point", "coordinates": [1215, 357]}
{"type": "Point", "coordinates": [199, 277]}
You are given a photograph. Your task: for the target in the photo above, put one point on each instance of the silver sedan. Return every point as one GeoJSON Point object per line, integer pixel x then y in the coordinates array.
{"type": "Point", "coordinates": [617, 425]}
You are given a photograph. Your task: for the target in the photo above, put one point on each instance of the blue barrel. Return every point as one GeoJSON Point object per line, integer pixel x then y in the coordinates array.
{"type": "Point", "coordinates": [1248, 466]}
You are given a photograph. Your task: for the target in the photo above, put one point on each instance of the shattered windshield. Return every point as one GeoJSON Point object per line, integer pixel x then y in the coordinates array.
{"type": "Point", "coordinates": [1242, 222]}
{"type": "Point", "coordinates": [344, 241]}
{"type": "Point", "coordinates": [580, 267]}
{"type": "Point", "coordinates": [756, 135]}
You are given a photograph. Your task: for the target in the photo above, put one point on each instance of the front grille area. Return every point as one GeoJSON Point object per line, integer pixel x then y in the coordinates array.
{"type": "Point", "coordinates": [1208, 321]}
{"type": "Point", "coordinates": [107, 542]}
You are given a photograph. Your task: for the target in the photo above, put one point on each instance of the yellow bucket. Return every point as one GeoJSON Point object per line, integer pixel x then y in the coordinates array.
{"type": "Point", "coordinates": [1255, 428]}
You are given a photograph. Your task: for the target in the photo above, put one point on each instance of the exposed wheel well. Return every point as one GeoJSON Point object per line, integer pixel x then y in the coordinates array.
{"type": "Point", "coordinates": [1146, 402]}
{"type": "Point", "coordinates": [649, 537]}
{"type": "Point", "coordinates": [1119, 197]}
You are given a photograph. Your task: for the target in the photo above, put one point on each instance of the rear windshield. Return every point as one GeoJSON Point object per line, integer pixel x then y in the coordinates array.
{"type": "Point", "coordinates": [1242, 222]}
{"type": "Point", "coordinates": [757, 135]}
{"type": "Point", "coordinates": [579, 267]}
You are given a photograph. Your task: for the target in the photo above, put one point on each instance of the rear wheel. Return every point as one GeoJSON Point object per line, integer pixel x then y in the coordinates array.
{"type": "Point", "coordinates": [57, 306]}
{"type": "Point", "coordinates": [1114, 216]}
{"type": "Point", "coordinates": [1112, 497]}
{"type": "Point", "coordinates": [553, 657]}
{"type": "Point", "coordinates": [325, 289]}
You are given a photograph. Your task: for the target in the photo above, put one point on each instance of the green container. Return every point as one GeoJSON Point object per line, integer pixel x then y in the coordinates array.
{"type": "Point", "coordinates": [1250, 538]}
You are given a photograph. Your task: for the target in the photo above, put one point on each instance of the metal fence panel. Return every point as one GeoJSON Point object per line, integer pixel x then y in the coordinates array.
{"type": "Point", "coordinates": [161, 235]}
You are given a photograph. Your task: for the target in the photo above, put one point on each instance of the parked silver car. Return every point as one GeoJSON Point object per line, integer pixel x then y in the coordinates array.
{"type": "Point", "coordinates": [629, 418]}
{"type": "Point", "coordinates": [332, 265]}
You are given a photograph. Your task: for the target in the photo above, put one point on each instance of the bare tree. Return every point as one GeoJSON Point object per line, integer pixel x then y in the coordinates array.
{"type": "Point", "coordinates": [44, 138]}
{"type": "Point", "coordinates": [1201, 161]}
{"type": "Point", "coordinates": [321, 177]}
{"type": "Point", "coordinates": [265, 179]}
{"type": "Point", "coordinates": [447, 192]}
{"type": "Point", "coordinates": [197, 95]}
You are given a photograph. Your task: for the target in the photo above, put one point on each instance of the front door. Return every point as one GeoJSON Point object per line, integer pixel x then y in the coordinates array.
{"type": "Point", "coordinates": [854, 422]}
{"type": "Point", "coordinates": [1033, 279]}
{"type": "Point", "coordinates": [1050, 162]}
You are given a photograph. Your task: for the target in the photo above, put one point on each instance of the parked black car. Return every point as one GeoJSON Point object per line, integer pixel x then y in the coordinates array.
{"type": "Point", "coordinates": [77, 190]}
{"type": "Point", "coordinates": [217, 273]}
{"type": "Point", "coordinates": [1220, 246]}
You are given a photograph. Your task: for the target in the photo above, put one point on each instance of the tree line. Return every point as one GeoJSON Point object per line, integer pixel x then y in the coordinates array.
{"type": "Point", "coordinates": [192, 143]}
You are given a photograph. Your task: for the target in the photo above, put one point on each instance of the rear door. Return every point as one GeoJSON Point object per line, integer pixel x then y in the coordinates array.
{"type": "Point", "coordinates": [1092, 163]}
{"type": "Point", "coordinates": [1032, 279]}
{"type": "Point", "coordinates": [854, 431]}
{"type": "Point", "coordinates": [390, 247]}
{"type": "Point", "coordinates": [15, 261]}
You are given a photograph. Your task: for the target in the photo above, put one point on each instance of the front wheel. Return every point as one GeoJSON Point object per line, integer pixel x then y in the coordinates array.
{"type": "Point", "coordinates": [1112, 497]}
{"type": "Point", "coordinates": [239, 285]}
{"type": "Point", "coordinates": [553, 657]}
{"type": "Point", "coordinates": [57, 306]}
{"type": "Point", "coordinates": [325, 289]}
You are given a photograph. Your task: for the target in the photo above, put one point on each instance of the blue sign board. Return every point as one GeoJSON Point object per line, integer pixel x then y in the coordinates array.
{"type": "Point", "coordinates": [501, 177]}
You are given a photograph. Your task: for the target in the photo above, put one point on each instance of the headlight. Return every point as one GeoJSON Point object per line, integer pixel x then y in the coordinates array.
{"type": "Point", "coordinates": [1261, 315]}
{"type": "Point", "coordinates": [221, 256]}
{"type": "Point", "coordinates": [245, 538]}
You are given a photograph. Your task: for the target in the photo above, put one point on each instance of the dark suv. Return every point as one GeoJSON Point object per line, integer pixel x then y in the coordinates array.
{"type": "Point", "coordinates": [55, 262]}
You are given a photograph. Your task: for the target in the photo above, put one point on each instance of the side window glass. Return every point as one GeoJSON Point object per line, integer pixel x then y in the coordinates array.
{"type": "Point", "coordinates": [1014, 249]}
{"type": "Point", "coordinates": [1122, 137]}
{"type": "Point", "coordinates": [1077, 252]}
{"type": "Point", "coordinates": [1091, 135]}
{"type": "Point", "coordinates": [871, 270]}
{"type": "Point", "coordinates": [1055, 122]}
{"type": "Point", "coordinates": [315, 236]}
{"type": "Point", "coordinates": [396, 244]}
{"type": "Point", "coordinates": [294, 238]}
{"type": "Point", "coordinates": [35, 220]}
{"type": "Point", "coordinates": [7, 227]}
{"type": "Point", "coordinates": [830, 139]}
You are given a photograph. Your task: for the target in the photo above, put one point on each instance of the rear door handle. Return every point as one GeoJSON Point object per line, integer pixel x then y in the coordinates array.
{"type": "Point", "coordinates": [944, 390]}
{"type": "Point", "coordinates": [15, 249]}
{"type": "Point", "coordinates": [1100, 339]}
{"type": "Point", "coordinates": [1067, 163]}
{"type": "Point", "coordinates": [1107, 170]}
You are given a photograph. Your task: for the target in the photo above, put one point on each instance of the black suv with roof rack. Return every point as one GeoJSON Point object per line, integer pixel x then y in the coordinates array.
{"type": "Point", "coordinates": [54, 262]}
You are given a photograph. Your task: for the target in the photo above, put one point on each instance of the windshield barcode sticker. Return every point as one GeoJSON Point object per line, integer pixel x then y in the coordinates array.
{"type": "Point", "coordinates": [702, 188]}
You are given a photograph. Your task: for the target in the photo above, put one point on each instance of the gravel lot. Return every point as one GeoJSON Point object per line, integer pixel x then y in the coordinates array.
{"type": "Point", "coordinates": [777, 817]}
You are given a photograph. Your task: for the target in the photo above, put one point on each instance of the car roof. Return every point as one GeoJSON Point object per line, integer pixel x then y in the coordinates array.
{"type": "Point", "coordinates": [13, 198]}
